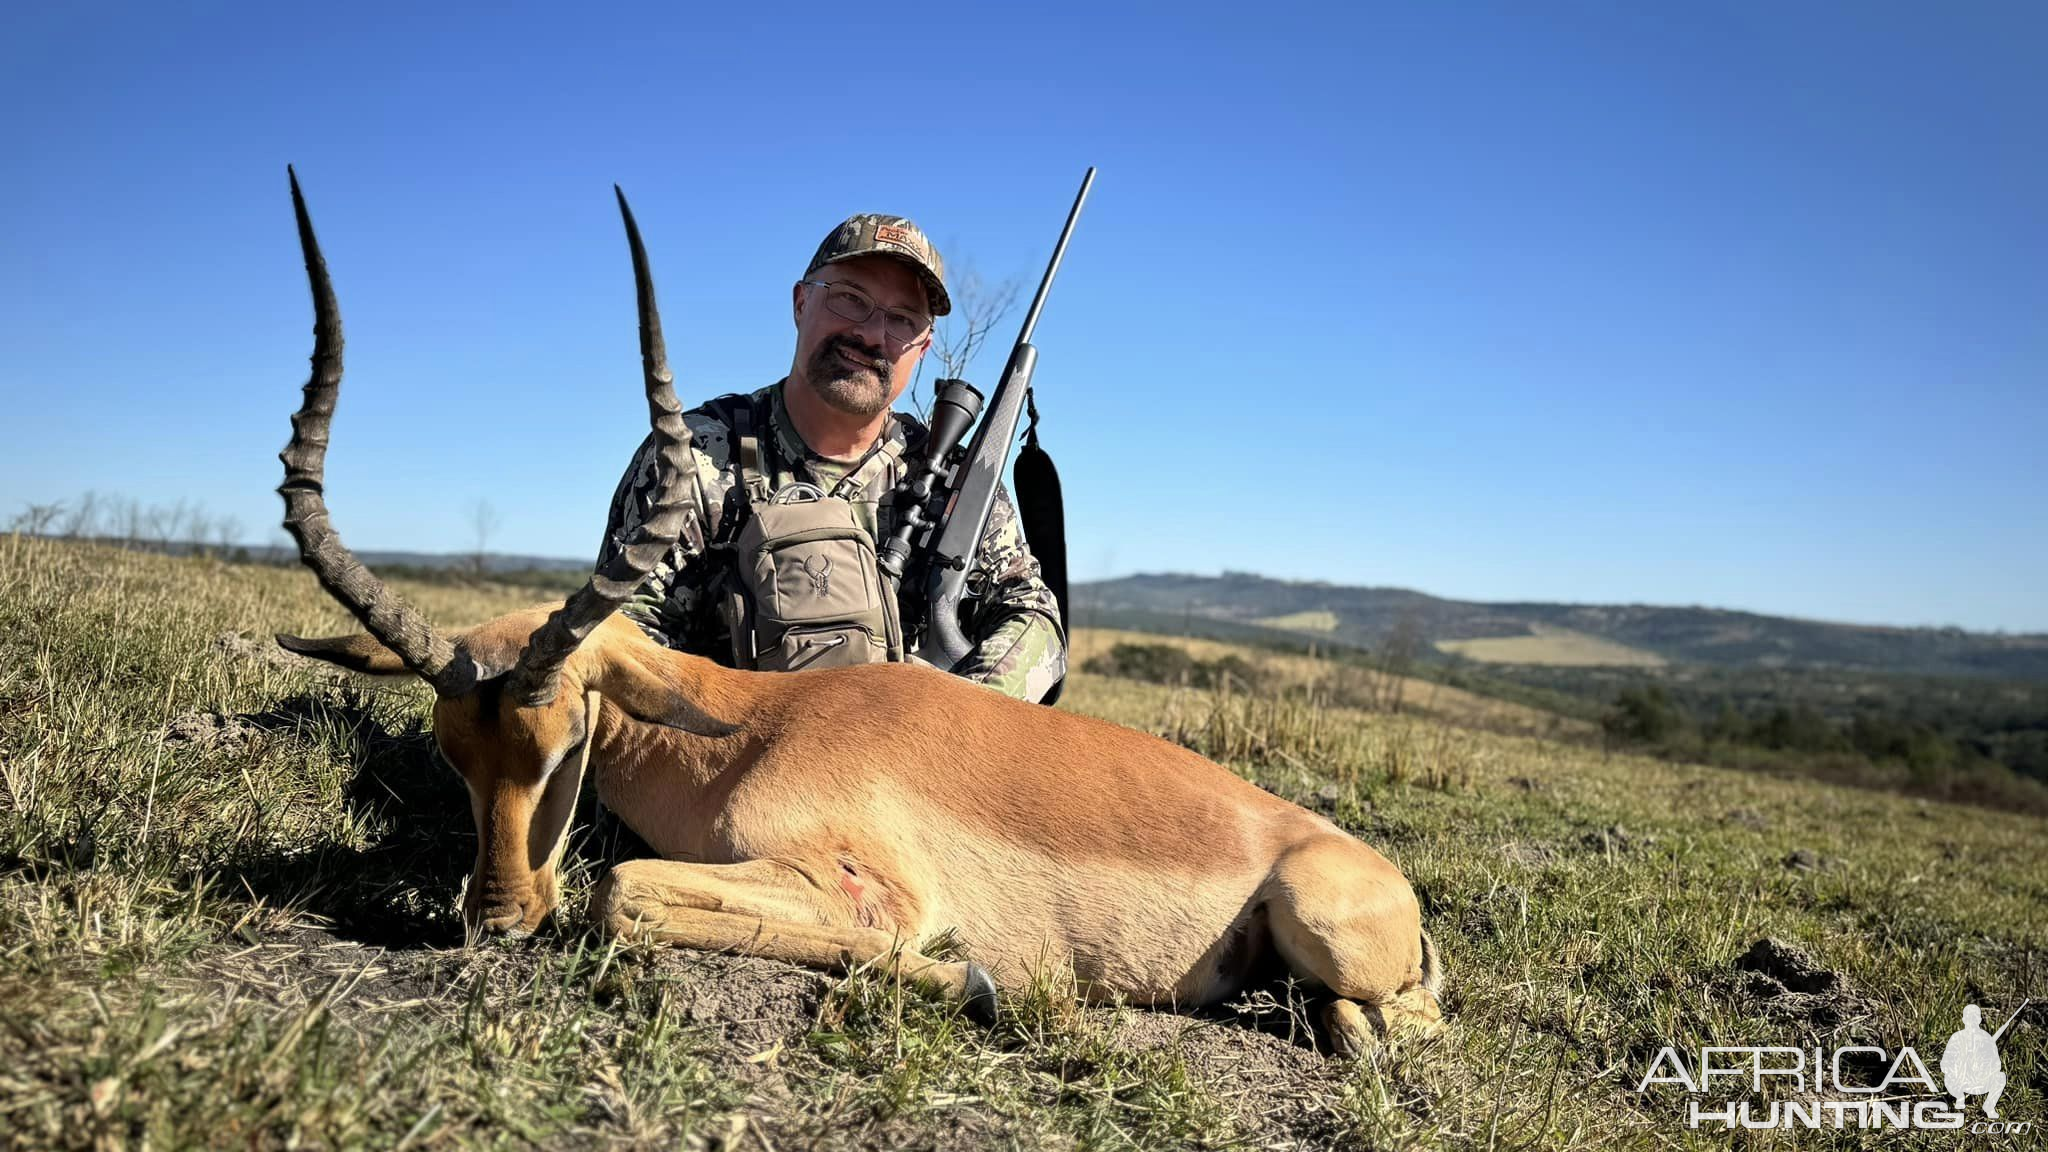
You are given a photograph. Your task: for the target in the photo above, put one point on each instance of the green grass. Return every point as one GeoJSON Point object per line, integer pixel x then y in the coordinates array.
{"type": "Point", "coordinates": [226, 919]}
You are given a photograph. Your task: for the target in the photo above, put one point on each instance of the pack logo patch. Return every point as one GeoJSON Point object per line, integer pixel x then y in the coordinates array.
{"type": "Point", "coordinates": [819, 569]}
{"type": "Point", "coordinates": [890, 234]}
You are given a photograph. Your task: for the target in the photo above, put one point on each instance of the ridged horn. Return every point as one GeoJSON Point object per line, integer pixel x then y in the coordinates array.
{"type": "Point", "coordinates": [532, 683]}
{"type": "Point", "coordinates": [397, 624]}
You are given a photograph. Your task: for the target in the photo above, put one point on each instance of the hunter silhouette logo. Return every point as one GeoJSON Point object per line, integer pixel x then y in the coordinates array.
{"type": "Point", "coordinates": [1789, 1087]}
{"type": "Point", "coordinates": [1970, 1064]}
{"type": "Point", "coordinates": [819, 569]}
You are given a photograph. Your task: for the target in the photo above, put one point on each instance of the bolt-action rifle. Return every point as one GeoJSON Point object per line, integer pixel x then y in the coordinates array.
{"type": "Point", "coordinates": [2010, 1019]}
{"type": "Point", "coordinates": [943, 504]}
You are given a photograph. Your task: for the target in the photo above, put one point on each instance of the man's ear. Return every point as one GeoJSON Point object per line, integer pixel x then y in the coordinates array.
{"type": "Point", "coordinates": [361, 652]}
{"type": "Point", "coordinates": [796, 302]}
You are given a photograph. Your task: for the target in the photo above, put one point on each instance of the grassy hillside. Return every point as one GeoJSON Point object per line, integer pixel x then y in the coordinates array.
{"type": "Point", "coordinates": [1552, 646]}
{"type": "Point", "coordinates": [1301, 622]}
{"type": "Point", "coordinates": [1339, 682]}
{"type": "Point", "coordinates": [1800, 703]}
{"type": "Point", "coordinates": [227, 878]}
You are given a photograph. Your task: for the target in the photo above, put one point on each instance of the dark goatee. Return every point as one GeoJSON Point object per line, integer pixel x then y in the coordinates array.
{"type": "Point", "coordinates": [855, 389]}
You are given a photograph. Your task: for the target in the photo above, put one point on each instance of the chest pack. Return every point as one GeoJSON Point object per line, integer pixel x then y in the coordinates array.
{"type": "Point", "coordinates": [804, 590]}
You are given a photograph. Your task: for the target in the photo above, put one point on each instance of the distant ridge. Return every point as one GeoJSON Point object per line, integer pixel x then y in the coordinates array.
{"type": "Point", "coordinates": [1247, 607]}
{"type": "Point", "coordinates": [493, 561]}
{"type": "Point", "coordinates": [1233, 605]}
{"type": "Point", "coordinates": [431, 561]}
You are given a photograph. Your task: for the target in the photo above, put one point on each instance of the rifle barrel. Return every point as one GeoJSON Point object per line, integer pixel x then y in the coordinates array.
{"type": "Point", "coordinates": [1053, 267]}
{"type": "Point", "coordinates": [2009, 1019]}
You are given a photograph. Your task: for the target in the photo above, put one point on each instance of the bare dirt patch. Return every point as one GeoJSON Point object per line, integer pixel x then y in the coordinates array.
{"type": "Point", "coordinates": [210, 730]}
{"type": "Point", "coordinates": [1786, 982]}
{"type": "Point", "coordinates": [756, 1022]}
{"type": "Point", "coordinates": [259, 650]}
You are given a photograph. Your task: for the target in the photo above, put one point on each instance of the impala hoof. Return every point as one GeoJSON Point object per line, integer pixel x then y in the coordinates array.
{"type": "Point", "coordinates": [1350, 1030]}
{"type": "Point", "coordinates": [980, 1001]}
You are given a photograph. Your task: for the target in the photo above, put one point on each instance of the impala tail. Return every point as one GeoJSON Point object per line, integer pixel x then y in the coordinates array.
{"type": "Point", "coordinates": [1432, 968]}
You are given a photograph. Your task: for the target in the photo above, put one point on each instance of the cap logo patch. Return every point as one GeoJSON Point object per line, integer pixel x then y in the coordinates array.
{"type": "Point", "coordinates": [890, 234]}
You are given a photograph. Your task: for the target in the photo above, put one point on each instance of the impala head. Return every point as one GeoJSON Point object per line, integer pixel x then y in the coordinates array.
{"type": "Point", "coordinates": [511, 712]}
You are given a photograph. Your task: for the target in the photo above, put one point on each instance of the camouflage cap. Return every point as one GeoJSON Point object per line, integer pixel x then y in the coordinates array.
{"type": "Point", "coordinates": [873, 234]}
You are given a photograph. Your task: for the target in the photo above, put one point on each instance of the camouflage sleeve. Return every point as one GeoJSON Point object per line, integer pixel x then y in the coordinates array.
{"type": "Point", "coordinates": [1019, 649]}
{"type": "Point", "coordinates": [666, 602]}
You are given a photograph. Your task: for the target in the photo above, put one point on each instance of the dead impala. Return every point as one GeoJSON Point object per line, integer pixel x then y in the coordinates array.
{"type": "Point", "coordinates": [843, 816]}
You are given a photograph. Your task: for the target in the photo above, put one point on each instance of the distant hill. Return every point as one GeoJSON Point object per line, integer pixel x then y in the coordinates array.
{"type": "Point", "coordinates": [418, 561]}
{"type": "Point", "coordinates": [493, 561]}
{"type": "Point", "coordinates": [1243, 606]}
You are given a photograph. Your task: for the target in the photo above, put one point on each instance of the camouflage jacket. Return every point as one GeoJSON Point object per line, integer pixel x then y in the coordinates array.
{"type": "Point", "coordinates": [1012, 616]}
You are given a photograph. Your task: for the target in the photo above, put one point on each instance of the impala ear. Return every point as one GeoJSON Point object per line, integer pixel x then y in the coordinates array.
{"type": "Point", "coordinates": [361, 652]}
{"type": "Point", "coordinates": [642, 685]}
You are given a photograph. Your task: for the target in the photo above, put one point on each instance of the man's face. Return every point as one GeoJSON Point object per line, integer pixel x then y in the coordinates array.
{"type": "Point", "coordinates": [859, 369]}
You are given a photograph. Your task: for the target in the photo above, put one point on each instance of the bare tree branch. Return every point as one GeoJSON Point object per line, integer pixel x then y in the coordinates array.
{"type": "Point", "coordinates": [199, 533]}
{"type": "Point", "coordinates": [484, 523]}
{"type": "Point", "coordinates": [979, 304]}
{"type": "Point", "coordinates": [195, 528]}
{"type": "Point", "coordinates": [1397, 657]}
{"type": "Point", "coordinates": [133, 518]}
{"type": "Point", "coordinates": [35, 519]}
{"type": "Point", "coordinates": [83, 521]}
{"type": "Point", "coordinates": [164, 522]}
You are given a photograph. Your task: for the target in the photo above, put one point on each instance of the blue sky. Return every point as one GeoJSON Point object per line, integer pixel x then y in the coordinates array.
{"type": "Point", "coordinates": [1741, 305]}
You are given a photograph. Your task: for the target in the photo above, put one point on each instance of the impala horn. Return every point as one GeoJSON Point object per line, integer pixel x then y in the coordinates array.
{"type": "Point", "coordinates": [532, 683]}
{"type": "Point", "coordinates": [393, 621]}
{"type": "Point", "coordinates": [397, 624]}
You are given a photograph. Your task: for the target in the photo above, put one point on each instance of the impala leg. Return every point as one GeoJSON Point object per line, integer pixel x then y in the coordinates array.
{"type": "Point", "coordinates": [769, 909]}
{"type": "Point", "coordinates": [1345, 918]}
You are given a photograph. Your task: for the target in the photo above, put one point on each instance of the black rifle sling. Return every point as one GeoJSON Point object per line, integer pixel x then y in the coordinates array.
{"type": "Point", "coordinates": [1042, 512]}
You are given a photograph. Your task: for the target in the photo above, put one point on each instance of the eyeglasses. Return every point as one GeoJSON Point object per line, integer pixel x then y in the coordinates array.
{"type": "Point", "coordinates": [851, 304]}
